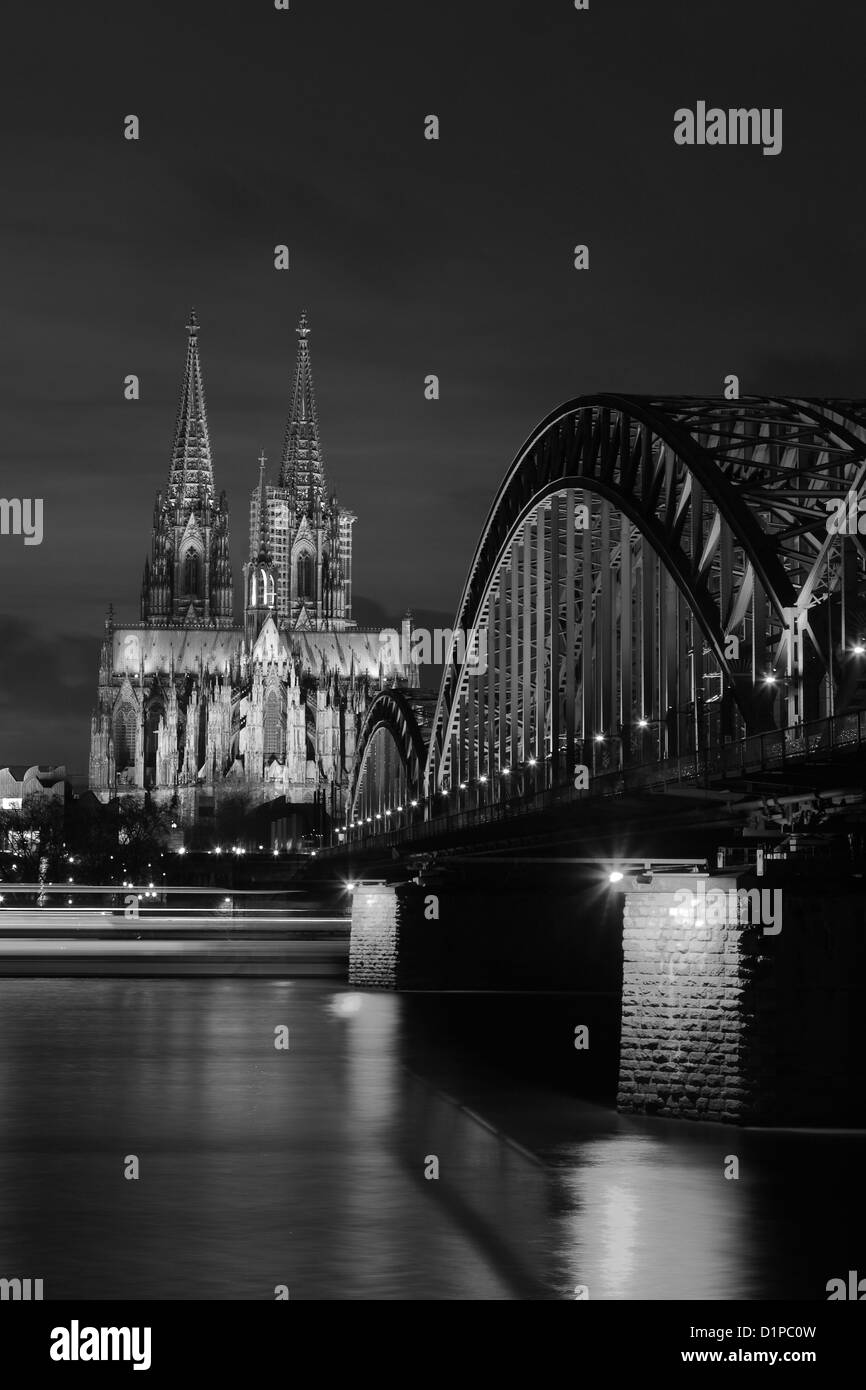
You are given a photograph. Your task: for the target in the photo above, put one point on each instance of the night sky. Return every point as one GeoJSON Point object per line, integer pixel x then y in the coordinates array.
{"type": "Point", "coordinates": [261, 127]}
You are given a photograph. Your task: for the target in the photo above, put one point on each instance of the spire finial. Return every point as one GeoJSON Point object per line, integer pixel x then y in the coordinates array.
{"type": "Point", "coordinates": [262, 460]}
{"type": "Point", "coordinates": [303, 329]}
{"type": "Point", "coordinates": [192, 326]}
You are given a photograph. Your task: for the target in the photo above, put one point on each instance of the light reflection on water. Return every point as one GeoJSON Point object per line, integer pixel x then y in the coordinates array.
{"type": "Point", "coordinates": [306, 1167]}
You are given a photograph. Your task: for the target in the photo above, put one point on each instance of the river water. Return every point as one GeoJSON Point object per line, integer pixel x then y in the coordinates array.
{"type": "Point", "coordinates": [311, 1166]}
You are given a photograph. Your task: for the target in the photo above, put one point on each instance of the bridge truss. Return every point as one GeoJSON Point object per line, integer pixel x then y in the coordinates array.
{"type": "Point", "coordinates": [655, 575]}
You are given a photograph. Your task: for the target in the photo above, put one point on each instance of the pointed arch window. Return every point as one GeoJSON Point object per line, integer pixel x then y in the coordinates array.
{"type": "Point", "coordinates": [273, 731]}
{"type": "Point", "coordinates": [124, 736]}
{"type": "Point", "coordinates": [192, 573]}
{"type": "Point", "coordinates": [305, 576]}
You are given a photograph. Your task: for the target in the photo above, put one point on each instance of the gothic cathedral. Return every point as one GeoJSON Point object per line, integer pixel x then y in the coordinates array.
{"type": "Point", "coordinates": [190, 702]}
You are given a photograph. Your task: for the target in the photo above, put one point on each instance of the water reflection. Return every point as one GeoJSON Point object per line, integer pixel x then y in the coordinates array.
{"type": "Point", "coordinates": [306, 1166]}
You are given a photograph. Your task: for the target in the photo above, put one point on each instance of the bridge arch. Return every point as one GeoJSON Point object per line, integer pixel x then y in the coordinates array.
{"type": "Point", "coordinates": [654, 574]}
{"type": "Point", "coordinates": [388, 769]}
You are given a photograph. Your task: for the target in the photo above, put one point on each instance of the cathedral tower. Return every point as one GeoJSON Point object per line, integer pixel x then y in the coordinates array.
{"type": "Point", "coordinates": [188, 576]}
{"type": "Point", "coordinates": [306, 534]}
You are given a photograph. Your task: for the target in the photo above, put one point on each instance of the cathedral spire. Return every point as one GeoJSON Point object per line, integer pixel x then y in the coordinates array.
{"type": "Point", "coordinates": [303, 466]}
{"type": "Point", "coordinates": [190, 479]}
{"type": "Point", "coordinates": [263, 510]}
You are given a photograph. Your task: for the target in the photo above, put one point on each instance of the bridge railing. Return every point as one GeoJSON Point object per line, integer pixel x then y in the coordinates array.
{"type": "Point", "coordinates": [769, 751]}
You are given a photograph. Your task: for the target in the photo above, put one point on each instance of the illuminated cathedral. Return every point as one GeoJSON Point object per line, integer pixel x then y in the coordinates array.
{"type": "Point", "coordinates": [191, 702]}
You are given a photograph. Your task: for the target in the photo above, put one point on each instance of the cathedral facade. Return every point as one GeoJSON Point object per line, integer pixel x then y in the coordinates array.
{"type": "Point", "coordinates": [192, 703]}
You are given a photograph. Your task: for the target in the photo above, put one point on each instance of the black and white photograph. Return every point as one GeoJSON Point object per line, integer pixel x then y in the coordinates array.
{"type": "Point", "coordinates": [432, 671]}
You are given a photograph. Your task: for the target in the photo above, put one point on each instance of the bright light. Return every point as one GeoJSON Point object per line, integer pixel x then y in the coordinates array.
{"type": "Point", "coordinates": [378, 815]}
{"type": "Point", "coordinates": [615, 877]}
{"type": "Point", "coordinates": [769, 680]}
{"type": "Point", "coordinates": [483, 777]}
{"type": "Point", "coordinates": [532, 762]}
{"type": "Point", "coordinates": [226, 900]}
{"type": "Point", "coordinates": [463, 786]}
{"type": "Point", "coordinates": [350, 886]}
{"type": "Point", "coordinates": [599, 738]}
{"type": "Point", "coordinates": [399, 808]}
{"type": "Point", "coordinates": [276, 851]}
{"type": "Point", "coordinates": [218, 850]}
{"type": "Point", "coordinates": [182, 850]}
{"type": "Point", "coordinates": [859, 650]}
{"type": "Point", "coordinates": [643, 723]}
{"type": "Point", "coordinates": [313, 854]}
{"type": "Point", "coordinates": [414, 803]}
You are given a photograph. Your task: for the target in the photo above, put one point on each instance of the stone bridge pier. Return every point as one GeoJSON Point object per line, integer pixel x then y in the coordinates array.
{"type": "Point", "coordinates": [737, 998]}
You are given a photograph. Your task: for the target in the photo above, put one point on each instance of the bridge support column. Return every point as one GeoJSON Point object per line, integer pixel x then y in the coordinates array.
{"type": "Point", "coordinates": [732, 1011]}
{"type": "Point", "coordinates": [684, 980]}
{"type": "Point", "coordinates": [386, 918]}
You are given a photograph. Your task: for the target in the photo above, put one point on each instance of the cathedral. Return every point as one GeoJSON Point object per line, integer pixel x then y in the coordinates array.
{"type": "Point", "coordinates": [192, 703]}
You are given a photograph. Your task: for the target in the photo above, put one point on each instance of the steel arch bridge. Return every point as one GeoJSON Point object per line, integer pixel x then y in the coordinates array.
{"type": "Point", "coordinates": [388, 769]}
{"type": "Point", "coordinates": [655, 575]}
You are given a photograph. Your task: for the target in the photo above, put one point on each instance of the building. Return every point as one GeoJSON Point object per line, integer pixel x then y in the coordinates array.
{"type": "Point", "coordinates": [192, 703]}
{"type": "Point", "coordinates": [23, 787]}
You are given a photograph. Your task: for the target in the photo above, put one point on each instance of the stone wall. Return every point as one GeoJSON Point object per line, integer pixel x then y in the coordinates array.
{"type": "Point", "coordinates": [379, 911]}
{"type": "Point", "coordinates": [681, 1005]}
{"type": "Point", "coordinates": [725, 1020]}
